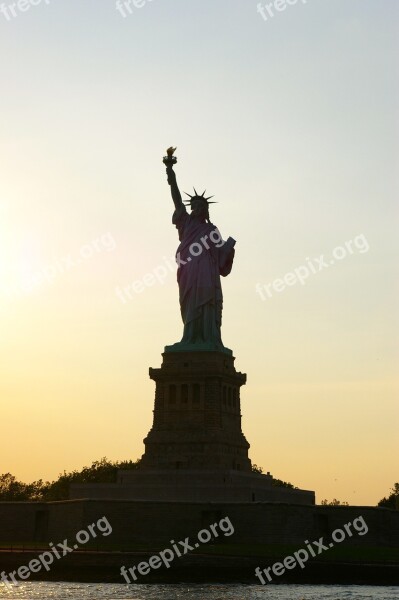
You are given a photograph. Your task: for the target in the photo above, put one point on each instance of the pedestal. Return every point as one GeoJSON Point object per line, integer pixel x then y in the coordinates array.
{"type": "Point", "coordinates": [197, 414]}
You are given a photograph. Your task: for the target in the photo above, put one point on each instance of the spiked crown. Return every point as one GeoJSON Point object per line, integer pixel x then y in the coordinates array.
{"type": "Point", "coordinates": [199, 197]}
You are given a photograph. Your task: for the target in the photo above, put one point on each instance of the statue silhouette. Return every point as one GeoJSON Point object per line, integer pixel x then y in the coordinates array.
{"type": "Point", "coordinates": [202, 257]}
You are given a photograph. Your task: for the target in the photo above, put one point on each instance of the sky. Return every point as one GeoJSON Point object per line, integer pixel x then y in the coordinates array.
{"type": "Point", "coordinates": [291, 122]}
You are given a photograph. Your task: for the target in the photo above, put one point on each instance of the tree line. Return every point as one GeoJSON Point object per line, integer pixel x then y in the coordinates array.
{"type": "Point", "coordinates": [100, 471]}
{"type": "Point", "coordinates": [105, 471]}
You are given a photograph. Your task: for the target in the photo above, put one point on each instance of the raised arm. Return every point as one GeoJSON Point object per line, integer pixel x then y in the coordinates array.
{"type": "Point", "coordinates": [177, 199]}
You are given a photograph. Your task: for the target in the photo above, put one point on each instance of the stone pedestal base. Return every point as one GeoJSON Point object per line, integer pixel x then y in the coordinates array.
{"type": "Point", "coordinates": [195, 450]}
{"type": "Point", "coordinates": [197, 414]}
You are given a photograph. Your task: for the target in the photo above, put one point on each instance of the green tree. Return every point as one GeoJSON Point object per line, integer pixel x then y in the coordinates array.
{"type": "Point", "coordinates": [100, 471]}
{"type": "Point", "coordinates": [11, 489]}
{"type": "Point", "coordinates": [285, 484]}
{"type": "Point", "coordinates": [393, 499]}
{"type": "Point", "coordinates": [334, 502]}
{"type": "Point", "coordinates": [276, 482]}
{"type": "Point", "coordinates": [256, 469]}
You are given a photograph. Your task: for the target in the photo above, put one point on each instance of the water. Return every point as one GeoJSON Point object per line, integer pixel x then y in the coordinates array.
{"type": "Point", "coordinates": [97, 591]}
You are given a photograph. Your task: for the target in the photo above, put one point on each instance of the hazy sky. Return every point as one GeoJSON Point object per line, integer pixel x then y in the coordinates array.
{"type": "Point", "coordinates": [290, 122]}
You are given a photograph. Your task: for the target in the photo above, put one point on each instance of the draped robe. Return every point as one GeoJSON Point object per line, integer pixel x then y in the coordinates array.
{"type": "Point", "coordinates": [198, 277]}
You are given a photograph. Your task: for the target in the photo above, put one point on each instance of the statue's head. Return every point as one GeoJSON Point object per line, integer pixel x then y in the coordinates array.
{"type": "Point", "coordinates": [199, 205]}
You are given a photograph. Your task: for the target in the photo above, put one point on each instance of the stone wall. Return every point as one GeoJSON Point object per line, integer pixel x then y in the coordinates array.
{"type": "Point", "coordinates": [155, 524]}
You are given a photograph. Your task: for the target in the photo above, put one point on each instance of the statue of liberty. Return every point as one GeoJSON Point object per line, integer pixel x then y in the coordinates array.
{"type": "Point", "coordinates": [202, 257]}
